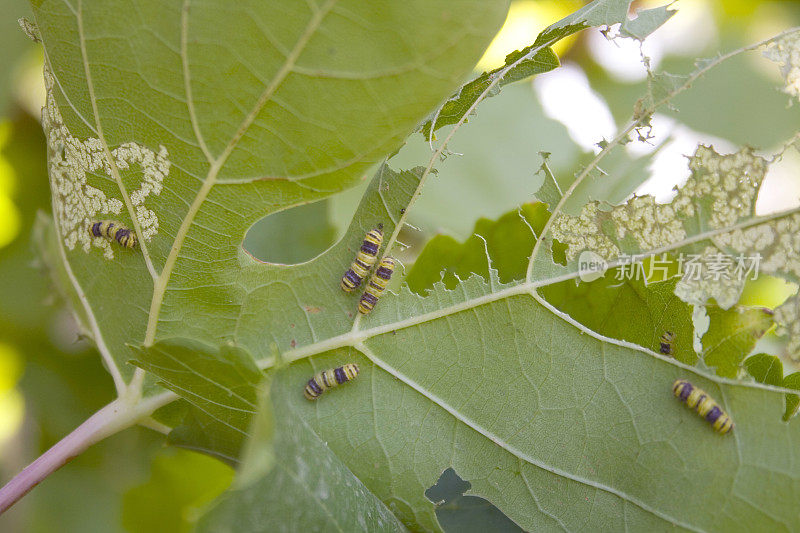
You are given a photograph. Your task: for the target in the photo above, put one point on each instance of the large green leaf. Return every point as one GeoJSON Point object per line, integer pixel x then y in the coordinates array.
{"type": "Point", "coordinates": [431, 365]}
{"type": "Point", "coordinates": [192, 120]}
{"type": "Point", "coordinates": [555, 424]}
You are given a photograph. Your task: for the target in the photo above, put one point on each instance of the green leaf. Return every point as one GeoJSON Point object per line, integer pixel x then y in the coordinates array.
{"type": "Point", "coordinates": [646, 22]}
{"type": "Point", "coordinates": [623, 306]}
{"type": "Point", "coordinates": [732, 334]}
{"type": "Point", "coordinates": [564, 394]}
{"type": "Point", "coordinates": [547, 419]}
{"type": "Point", "coordinates": [181, 483]}
{"type": "Point", "coordinates": [792, 381]}
{"type": "Point", "coordinates": [507, 242]}
{"type": "Point", "coordinates": [518, 66]}
{"type": "Point", "coordinates": [220, 383]}
{"type": "Point", "coordinates": [765, 368]}
{"type": "Point", "coordinates": [549, 193]}
{"type": "Point", "coordinates": [190, 124]}
{"type": "Point", "coordinates": [534, 59]}
{"type": "Point", "coordinates": [305, 487]}
{"type": "Point", "coordinates": [563, 380]}
{"type": "Point", "coordinates": [200, 432]}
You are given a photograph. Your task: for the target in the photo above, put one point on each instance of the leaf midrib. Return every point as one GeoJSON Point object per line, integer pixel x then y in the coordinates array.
{"type": "Point", "coordinates": [106, 150]}
{"type": "Point", "coordinates": [355, 336]}
{"type": "Point", "coordinates": [160, 285]}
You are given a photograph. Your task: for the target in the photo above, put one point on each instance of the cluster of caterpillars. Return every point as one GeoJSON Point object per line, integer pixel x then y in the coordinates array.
{"type": "Point", "coordinates": [359, 269]}
{"type": "Point", "coordinates": [694, 398]}
{"type": "Point", "coordinates": [361, 266]}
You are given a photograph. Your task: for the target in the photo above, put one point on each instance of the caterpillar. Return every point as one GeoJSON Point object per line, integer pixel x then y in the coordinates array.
{"type": "Point", "coordinates": [115, 231]}
{"type": "Point", "coordinates": [376, 286]}
{"type": "Point", "coordinates": [666, 343]}
{"type": "Point", "coordinates": [705, 406]}
{"type": "Point", "coordinates": [364, 259]}
{"type": "Point", "coordinates": [330, 378]}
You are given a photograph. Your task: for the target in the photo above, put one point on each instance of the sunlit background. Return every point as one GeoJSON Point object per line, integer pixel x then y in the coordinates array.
{"type": "Point", "coordinates": [50, 380]}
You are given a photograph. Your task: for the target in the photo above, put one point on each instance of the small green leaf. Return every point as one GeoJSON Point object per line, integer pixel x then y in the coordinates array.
{"type": "Point", "coordinates": [219, 382]}
{"type": "Point", "coordinates": [507, 240]}
{"type": "Point", "coordinates": [622, 306]}
{"type": "Point", "coordinates": [200, 432]}
{"type": "Point", "coordinates": [792, 381]}
{"type": "Point", "coordinates": [731, 336]}
{"type": "Point", "coordinates": [549, 193]}
{"type": "Point", "coordinates": [540, 60]}
{"type": "Point", "coordinates": [765, 368]}
{"type": "Point", "coordinates": [646, 22]}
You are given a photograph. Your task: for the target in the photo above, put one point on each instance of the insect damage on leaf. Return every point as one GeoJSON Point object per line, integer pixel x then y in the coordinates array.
{"type": "Point", "coordinates": [786, 52]}
{"type": "Point", "coordinates": [787, 316]}
{"type": "Point", "coordinates": [721, 190]}
{"type": "Point", "coordinates": [698, 289]}
{"type": "Point", "coordinates": [76, 203]}
{"type": "Point", "coordinates": [776, 243]}
{"type": "Point", "coordinates": [584, 232]}
{"type": "Point", "coordinates": [30, 29]}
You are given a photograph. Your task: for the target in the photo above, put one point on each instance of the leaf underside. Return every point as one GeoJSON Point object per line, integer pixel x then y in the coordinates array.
{"type": "Point", "coordinates": [191, 138]}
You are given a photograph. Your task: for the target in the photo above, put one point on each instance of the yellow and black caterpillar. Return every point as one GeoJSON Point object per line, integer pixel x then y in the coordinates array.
{"type": "Point", "coordinates": [377, 284]}
{"type": "Point", "coordinates": [327, 379]}
{"type": "Point", "coordinates": [364, 260]}
{"type": "Point", "coordinates": [667, 339]}
{"type": "Point", "coordinates": [706, 407]}
{"type": "Point", "coordinates": [113, 230]}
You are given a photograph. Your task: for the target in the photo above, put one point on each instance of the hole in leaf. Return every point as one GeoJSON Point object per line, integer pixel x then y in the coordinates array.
{"type": "Point", "coordinates": [465, 514]}
{"type": "Point", "coordinates": [292, 236]}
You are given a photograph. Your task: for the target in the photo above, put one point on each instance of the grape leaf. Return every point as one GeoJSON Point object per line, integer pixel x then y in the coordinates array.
{"type": "Point", "coordinates": [554, 424]}
{"type": "Point", "coordinates": [548, 377]}
{"type": "Point", "coordinates": [190, 122]}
